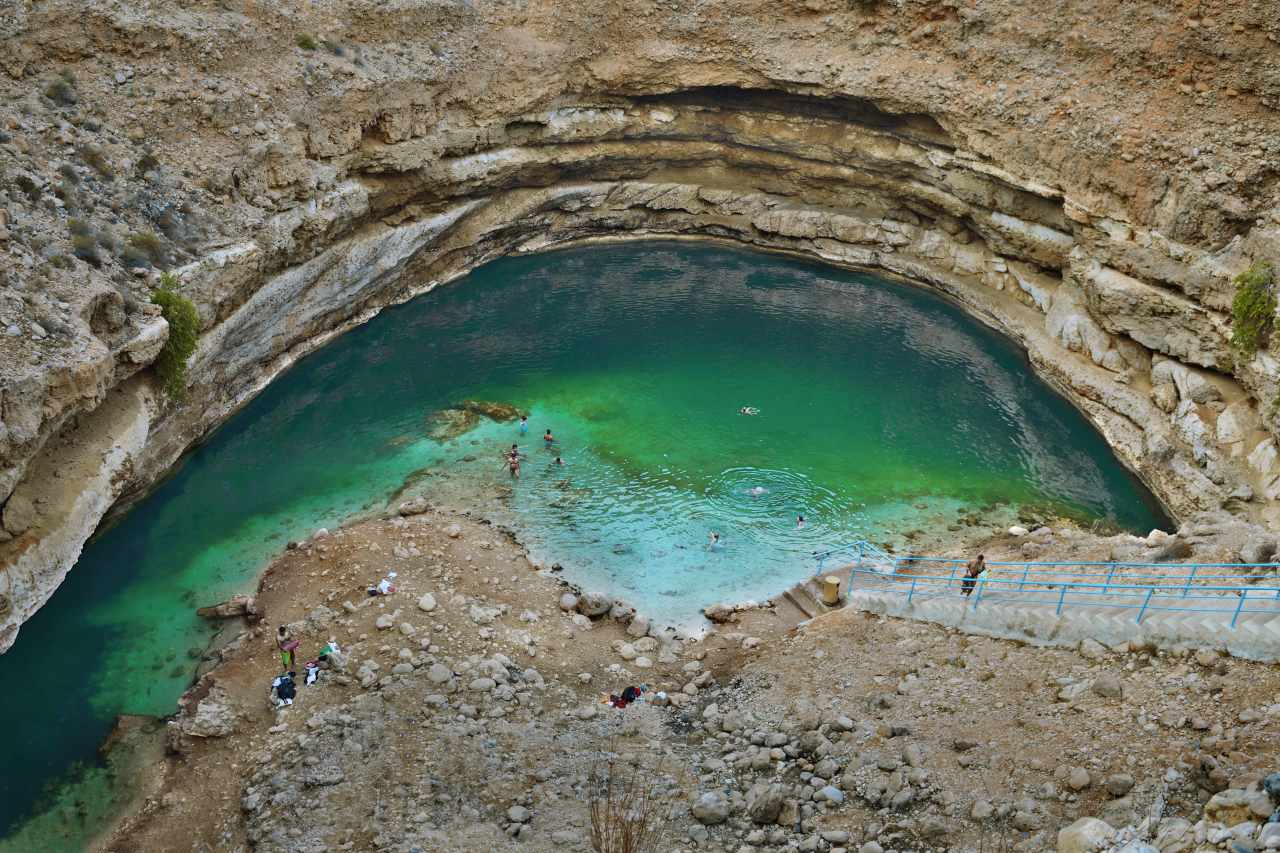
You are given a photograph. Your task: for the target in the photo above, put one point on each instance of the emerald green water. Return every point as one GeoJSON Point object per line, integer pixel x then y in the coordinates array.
{"type": "Point", "coordinates": [882, 409]}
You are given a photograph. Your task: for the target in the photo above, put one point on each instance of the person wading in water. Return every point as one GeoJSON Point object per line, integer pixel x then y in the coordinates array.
{"type": "Point", "coordinates": [972, 569]}
{"type": "Point", "coordinates": [513, 463]}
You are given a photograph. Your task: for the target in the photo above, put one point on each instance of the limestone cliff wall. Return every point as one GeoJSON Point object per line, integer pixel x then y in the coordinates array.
{"type": "Point", "coordinates": [1089, 196]}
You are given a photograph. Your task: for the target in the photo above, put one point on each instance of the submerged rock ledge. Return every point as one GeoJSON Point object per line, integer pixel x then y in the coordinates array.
{"type": "Point", "coordinates": [1099, 242]}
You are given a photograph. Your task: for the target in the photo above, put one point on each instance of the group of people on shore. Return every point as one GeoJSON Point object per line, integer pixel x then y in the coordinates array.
{"type": "Point", "coordinates": [513, 457]}
{"type": "Point", "coordinates": [284, 686]}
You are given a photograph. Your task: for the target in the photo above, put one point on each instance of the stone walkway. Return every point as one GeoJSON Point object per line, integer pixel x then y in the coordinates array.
{"type": "Point", "coordinates": [1032, 616]}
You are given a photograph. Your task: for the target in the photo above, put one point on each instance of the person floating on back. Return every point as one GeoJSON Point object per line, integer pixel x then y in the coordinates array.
{"type": "Point", "coordinates": [972, 569]}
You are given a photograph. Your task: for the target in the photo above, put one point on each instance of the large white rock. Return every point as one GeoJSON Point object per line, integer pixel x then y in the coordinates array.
{"type": "Point", "coordinates": [711, 808]}
{"type": "Point", "coordinates": [215, 716]}
{"type": "Point", "coordinates": [1263, 456]}
{"type": "Point", "coordinates": [1236, 423]}
{"type": "Point", "coordinates": [427, 602]}
{"type": "Point", "coordinates": [1070, 323]}
{"type": "Point", "coordinates": [1087, 835]}
{"type": "Point", "coordinates": [1193, 430]}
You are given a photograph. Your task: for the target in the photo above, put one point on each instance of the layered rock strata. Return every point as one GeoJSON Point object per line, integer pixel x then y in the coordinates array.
{"type": "Point", "coordinates": [835, 133]}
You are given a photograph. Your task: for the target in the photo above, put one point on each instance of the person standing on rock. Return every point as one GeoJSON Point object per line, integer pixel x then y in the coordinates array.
{"type": "Point", "coordinates": [972, 569]}
{"type": "Point", "coordinates": [287, 645]}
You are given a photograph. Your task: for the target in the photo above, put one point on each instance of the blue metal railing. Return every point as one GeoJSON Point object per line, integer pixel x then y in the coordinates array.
{"type": "Point", "coordinates": [1071, 585]}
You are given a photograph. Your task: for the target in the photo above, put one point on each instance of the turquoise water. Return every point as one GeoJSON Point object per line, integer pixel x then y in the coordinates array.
{"type": "Point", "coordinates": [882, 409]}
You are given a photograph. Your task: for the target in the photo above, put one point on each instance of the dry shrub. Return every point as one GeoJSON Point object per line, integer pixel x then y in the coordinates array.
{"type": "Point", "coordinates": [628, 807]}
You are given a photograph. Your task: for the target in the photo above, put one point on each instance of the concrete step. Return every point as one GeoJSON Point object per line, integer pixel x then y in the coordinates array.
{"type": "Point", "coordinates": [802, 601]}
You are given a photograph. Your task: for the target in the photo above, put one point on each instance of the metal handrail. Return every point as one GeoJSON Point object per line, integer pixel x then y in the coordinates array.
{"type": "Point", "coordinates": [862, 548]}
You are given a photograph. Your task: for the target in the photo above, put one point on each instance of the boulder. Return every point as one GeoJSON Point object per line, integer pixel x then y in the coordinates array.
{"type": "Point", "coordinates": [1259, 549]}
{"type": "Point", "coordinates": [1108, 685]}
{"type": "Point", "coordinates": [835, 796]}
{"type": "Point", "coordinates": [215, 715]}
{"type": "Point", "coordinates": [813, 743]}
{"type": "Point", "coordinates": [1229, 807]}
{"type": "Point", "coordinates": [711, 809]}
{"type": "Point", "coordinates": [234, 607]}
{"type": "Point", "coordinates": [764, 802]}
{"type": "Point", "coordinates": [1175, 835]}
{"type": "Point", "coordinates": [427, 602]}
{"type": "Point", "coordinates": [453, 531]}
{"type": "Point", "coordinates": [416, 506]}
{"type": "Point", "coordinates": [639, 626]}
{"type": "Point", "coordinates": [1078, 779]}
{"type": "Point", "coordinates": [19, 514]}
{"type": "Point", "coordinates": [1119, 784]}
{"type": "Point", "coordinates": [568, 602]}
{"type": "Point", "coordinates": [720, 613]}
{"type": "Point", "coordinates": [594, 605]}
{"type": "Point", "coordinates": [1087, 835]}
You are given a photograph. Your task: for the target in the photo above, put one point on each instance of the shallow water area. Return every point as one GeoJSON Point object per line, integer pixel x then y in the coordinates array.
{"type": "Point", "coordinates": [882, 409]}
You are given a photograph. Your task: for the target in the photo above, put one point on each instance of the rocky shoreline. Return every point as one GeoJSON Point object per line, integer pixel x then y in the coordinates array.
{"type": "Point", "coordinates": [466, 712]}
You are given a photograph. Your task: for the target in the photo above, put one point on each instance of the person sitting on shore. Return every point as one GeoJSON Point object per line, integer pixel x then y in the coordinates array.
{"type": "Point", "coordinates": [384, 587]}
{"type": "Point", "coordinates": [629, 695]}
{"type": "Point", "coordinates": [310, 672]}
{"type": "Point", "coordinates": [283, 690]}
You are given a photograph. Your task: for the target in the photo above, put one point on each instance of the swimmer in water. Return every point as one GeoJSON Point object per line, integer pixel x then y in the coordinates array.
{"type": "Point", "coordinates": [513, 465]}
{"type": "Point", "coordinates": [524, 424]}
{"type": "Point", "coordinates": [799, 522]}
{"type": "Point", "coordinates": [559, 461]}
{"type": "Point", "coordinates": [549, 439]}
{"type": "Point", "coordinates": [757, 491]}
{"type": "Point", "coordinates": [748, 410]}
{"type": "Point", "coordinates": [715, 544]}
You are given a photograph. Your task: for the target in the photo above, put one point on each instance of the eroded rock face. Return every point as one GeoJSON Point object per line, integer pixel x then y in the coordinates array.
{"type": "Point", "coordinates": [1102, 232]}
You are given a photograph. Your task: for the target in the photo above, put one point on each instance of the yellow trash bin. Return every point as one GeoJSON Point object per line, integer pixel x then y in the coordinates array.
{"type": "Point", "coordinates": [831, 590]}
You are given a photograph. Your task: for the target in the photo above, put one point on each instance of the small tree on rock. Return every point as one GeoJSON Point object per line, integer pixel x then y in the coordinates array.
{"type": "Point", "coordinates": [184, 327]}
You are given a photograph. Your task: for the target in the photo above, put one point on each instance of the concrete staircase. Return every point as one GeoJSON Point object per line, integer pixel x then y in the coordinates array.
{"type": "Point", "coordinates": [1256, 636]}
{"type": "Point", "coordinates": [803, 602]}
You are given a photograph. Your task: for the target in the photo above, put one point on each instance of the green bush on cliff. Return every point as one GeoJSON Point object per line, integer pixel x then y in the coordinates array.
{"type": "Point", "coordinates": [1253, 309]}
{"type": "Point", "coordinates": [184, 326]}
